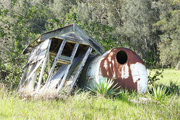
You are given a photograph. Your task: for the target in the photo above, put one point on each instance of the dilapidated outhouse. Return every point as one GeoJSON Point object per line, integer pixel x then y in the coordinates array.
{"type": "Point", "coordinates": [58, 57]}
{"type": "Point", "coordinates": [56, 60]}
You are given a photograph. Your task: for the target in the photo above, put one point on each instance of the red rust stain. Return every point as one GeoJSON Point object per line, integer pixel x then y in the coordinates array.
{"type": "Point", "coordinates": [113, 70]}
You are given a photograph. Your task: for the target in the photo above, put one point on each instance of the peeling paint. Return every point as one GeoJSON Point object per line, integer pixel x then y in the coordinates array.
{"type": "Point", "coordinates": [131, 75]}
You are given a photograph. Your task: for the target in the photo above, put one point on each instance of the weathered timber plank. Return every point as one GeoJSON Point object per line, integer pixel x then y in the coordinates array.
{"type": "Point", "coordinates": [72, 39]}
{"type": "Point", "coordinates": [56, 33]}
{"type": "Point", "coordinates": [29, 76]}
{"type": "Point", "coordinates": [55, 61]}
{"type": "Point", "coordinates": [64, 60]}
{"type": "Point", "coordinates": [58, 72]}
{"type": "Point", "coordinates": [49, 63]}
{"type": "Point", "coordinates": [66, 73]}
{"type": "Point", "coordinates": [43, 66]}
{"type": "Point", "coordinates": [56, 78]}
{"type": "Point", "coordinates": [75, 63]}
{"type": "Point", "coordinates": [39, 52]}
{"type": "Point", "coordinates": [22, 78]}
{"type": "Point", "coordinates": [80, 69]}
{"type": "Point", "coordinates": [95, 45]}
{"type": "Point", "coordinates": [52, 53]}
{"type": "Point", "coordinates": [31, 68]}
{"type": "Point", "coordinates": [37, 57]}
{"type": "Point", "coordinates": [32, 80]}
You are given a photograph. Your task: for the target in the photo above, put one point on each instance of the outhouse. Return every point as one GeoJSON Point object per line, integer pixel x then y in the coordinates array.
{"type": "Point", "coordinates": [56, 60]}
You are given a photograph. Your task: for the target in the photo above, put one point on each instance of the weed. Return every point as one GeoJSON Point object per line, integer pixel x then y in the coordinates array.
{"type": "Point", "coordinates": [3, 90]}
{"type": "Point", "coordinates": [105, 88]}
{"type": "Point", "coordinates": [174, 89]}
{"type": "Point", "coordinates": [159, 92]}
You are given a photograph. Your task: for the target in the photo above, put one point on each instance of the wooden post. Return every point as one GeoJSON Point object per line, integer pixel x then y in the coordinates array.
{"type": "Point", "coordinates": [43, 66]}
{"type": "Point", "coordinates": [48, 64]}
{"type": "Point", "coordinates": [22, 78]}
{"type": "Point", "coordinates": [74, 25]}
{"type": "Point", "coordinates": [31, 73]}
{"type": "Point", "coordinates": [24, 74]}
{"type": "Point", "coordinates": [80, 68]}
{"type": "Point", "coordinates": [33, 79]}
{"type": "Point", "coordinates": [55, 61]}
{"type": "Point", "coordinates": [72, 57]}
{"type": "Point", "coordinates": [75, 63]}
{"type": "Point", "coordinates": [31, 67]}
{"type": "Point", "coordinates": [57, 77]}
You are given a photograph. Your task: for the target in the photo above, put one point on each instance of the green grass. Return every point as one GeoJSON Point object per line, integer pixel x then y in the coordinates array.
{"type": "Point", "coordinates": [85, 106]}
{"type": "Point", "coordinates": [168, 76]}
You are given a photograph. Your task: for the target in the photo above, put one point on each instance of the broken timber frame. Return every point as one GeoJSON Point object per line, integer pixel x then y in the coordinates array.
{"type": "Point", "coordinates": [60, 43]}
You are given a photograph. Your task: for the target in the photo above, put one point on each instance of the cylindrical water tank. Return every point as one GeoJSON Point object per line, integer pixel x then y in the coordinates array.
{"type": "Point", "coordinates": [122, 65]}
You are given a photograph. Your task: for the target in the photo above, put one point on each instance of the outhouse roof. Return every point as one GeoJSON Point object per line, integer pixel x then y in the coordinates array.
{"type": "Point", "coordinates": [71, 33]}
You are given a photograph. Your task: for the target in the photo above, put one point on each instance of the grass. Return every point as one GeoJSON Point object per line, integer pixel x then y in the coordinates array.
{"type": "Point", "coordinates": [85, 106]}
{"type": "Point", "coordinates": [168, 76]}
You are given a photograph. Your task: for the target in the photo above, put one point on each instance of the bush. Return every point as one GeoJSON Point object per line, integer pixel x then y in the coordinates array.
{"type": "Point", "coordinates": [155, 77]}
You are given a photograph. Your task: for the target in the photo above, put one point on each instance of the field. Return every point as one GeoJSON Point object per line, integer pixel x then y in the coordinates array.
{"type": "Point", "coordinates": [170, 75]}
{"type": "Point", "coordinates": [83, 105]}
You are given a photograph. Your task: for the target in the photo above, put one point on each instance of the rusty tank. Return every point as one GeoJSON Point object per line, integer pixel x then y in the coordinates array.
{"type": "Point", "coordinates": [122, 65]}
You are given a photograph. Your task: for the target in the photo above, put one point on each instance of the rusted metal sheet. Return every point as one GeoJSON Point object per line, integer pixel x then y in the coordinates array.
{"type": "Point", "coordinates": [122, 65]}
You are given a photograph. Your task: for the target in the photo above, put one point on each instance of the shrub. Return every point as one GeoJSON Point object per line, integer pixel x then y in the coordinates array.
{"type": "Point", "coordinates": [173, 89]}
{"type": "Point", "coordinates": [155, 77]}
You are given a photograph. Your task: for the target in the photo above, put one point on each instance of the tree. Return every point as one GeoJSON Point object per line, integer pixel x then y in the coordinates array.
{"type": "Point", "coordinates": [137, 28]}
{"type": "Point", "coordinates": [92, 17]}
{"type": "Point", "coordinates": [169, 25]}
{"type": "Point", "coordinates": [19, 24]}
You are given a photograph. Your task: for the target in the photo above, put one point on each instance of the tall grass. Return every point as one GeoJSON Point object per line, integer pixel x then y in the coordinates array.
{"type": "Point", "coordinates": [84, 106]}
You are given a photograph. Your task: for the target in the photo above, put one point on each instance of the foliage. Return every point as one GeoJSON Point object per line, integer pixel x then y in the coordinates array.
{"type": "Point", "coordinates": [89, 23]}
{"type": "Point", "coordinates": [20, 24]}
{"type": "Point", "coordinates": [169, 75]}
{"type": "Point", "coordinates": [155, 77]}
{"type": "Point", "coordinates": [149, 27]}
{"type": "Point", "coordinates": [138, 17]}
{"type": "Point", "coordinates": [158, 92]}
{"type": "Point", "coordinates": [105, 88]}
{"type": "Point", "coordinates": [169, 25]}
{"type": "Point", "coordinates": [173, 89]}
